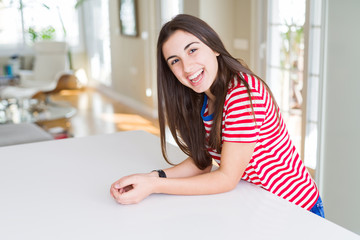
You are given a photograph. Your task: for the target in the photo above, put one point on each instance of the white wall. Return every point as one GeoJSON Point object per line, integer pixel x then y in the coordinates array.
{"type": "Point", "coordinates": [340, 162]}
{"type": "Point", "coordinates": [133, 58]}
{"type": "Point", "coordinates": [231, 19]}
{"type": "Point", "coordinates": [220, 16]}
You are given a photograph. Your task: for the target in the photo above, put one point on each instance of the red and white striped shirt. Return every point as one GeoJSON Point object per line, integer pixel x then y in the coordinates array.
{"type": "Point", "coordinates": [275, 164]}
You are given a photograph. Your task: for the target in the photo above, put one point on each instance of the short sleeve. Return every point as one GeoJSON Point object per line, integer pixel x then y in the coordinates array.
{"type": "Point", "coordinates": [241, 123]}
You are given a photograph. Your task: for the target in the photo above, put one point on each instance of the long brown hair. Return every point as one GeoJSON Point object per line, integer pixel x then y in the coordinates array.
{"type": "Point", "coordinates": [179, 106]}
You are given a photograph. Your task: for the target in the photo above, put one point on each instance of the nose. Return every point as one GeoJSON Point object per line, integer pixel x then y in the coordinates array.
{"type": "Point", "coordinates": [187, 65]}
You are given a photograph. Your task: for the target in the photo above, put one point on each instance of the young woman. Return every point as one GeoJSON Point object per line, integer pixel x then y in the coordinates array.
{"type": "Point", "coordinates": [217, 108]}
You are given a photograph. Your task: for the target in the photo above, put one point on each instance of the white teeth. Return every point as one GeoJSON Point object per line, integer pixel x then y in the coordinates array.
{"type": "Point", "coordinates": [196, 80]}
{"type": "Point", "coordinates": [195, 75]}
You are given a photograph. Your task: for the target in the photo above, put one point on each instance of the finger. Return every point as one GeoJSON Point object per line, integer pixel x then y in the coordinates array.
{"type": "Point", "coordinates": [114, 193]}
{"type": "Point", "coordinates": [123, 182]}
{"type": "Point", "coordinates": [132, 196]}
{"type": "Point", "coordinates": [126, 199]}
{"type": "Point", "coordinates": [111, 194]}
{"type": "Point", "coordinates": [128, 188]}
{"type": "Point", "coordinates": [123, 190]}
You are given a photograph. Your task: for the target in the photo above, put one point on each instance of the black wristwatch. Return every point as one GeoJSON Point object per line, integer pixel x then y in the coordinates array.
{"type": "Point", "coordinates": [161, 173]}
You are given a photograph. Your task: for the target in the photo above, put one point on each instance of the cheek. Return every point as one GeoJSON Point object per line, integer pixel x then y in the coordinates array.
{"type": "Point", "coordinates": [178, 74]}
{"type": "Point", "coordinates": [181, 80]}
{"type": "Point", "coordinates": [215, 65]}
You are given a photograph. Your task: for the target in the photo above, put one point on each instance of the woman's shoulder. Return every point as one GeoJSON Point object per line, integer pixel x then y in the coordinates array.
{"type": "Point", "coordinates": [236, 84]}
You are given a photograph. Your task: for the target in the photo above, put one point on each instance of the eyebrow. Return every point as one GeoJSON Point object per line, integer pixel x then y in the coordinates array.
{"type": "Point", "coordinates": [186, 47]}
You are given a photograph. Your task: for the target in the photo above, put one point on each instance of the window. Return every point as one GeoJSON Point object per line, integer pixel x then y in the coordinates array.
{"type": "Point", "coordinates": [294, 70]}
{"type": "Point", "coordinates": [169, 9]}
{"type": "Point", "coordinates": [97, 34]}
{"type": "Point", "coordinates": [285, 66]}
{"type": "Point", "coordinates": [314, 82]}
{"type": "Point", "coordinates": [25, 21]}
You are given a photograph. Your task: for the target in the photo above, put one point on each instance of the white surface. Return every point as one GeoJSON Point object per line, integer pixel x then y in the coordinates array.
{"type": "Point", "coordinates": [12, 134]}
{"type": "Point", "coordinates": [60, 190]}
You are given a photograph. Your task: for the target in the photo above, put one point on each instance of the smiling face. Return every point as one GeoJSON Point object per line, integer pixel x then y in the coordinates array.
{"type": "Point", "coordinates": [193, 63]}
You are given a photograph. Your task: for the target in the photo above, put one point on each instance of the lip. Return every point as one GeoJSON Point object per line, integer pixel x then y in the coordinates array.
{"type": "Point", "coordinates": [197, 80]}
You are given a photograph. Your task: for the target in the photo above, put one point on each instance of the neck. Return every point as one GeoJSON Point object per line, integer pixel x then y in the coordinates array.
{"type": "Point", "coordinates": [211, 101]}
{"type": "Point", "coordinates": [210, 96]}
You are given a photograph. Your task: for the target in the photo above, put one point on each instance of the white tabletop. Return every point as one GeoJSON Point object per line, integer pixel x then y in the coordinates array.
{"type": "Point", "coordinates": [60, 190]}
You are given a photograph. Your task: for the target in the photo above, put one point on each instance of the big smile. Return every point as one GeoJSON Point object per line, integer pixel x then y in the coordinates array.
{"type": "Point", "coordinates": [196, 77]}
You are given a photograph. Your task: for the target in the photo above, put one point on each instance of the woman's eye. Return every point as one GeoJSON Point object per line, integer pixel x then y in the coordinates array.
{"type": "Point", "coordinates": [174, 61]}
{"type": "Point", "coordinates": [192, 50]}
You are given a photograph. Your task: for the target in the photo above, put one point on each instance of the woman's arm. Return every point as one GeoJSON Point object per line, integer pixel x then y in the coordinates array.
{"type": "Point", "coordinates": [234, 159]}
{"type": "Point", "coordinates": [187, 168]}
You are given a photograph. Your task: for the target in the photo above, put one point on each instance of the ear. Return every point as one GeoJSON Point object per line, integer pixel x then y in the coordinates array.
{"type": "Point", "coordinates": [217, 54]}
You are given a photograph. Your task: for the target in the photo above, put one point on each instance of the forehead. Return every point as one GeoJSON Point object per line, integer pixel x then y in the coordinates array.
{"type": "Point", "coordinates": [177, 41]}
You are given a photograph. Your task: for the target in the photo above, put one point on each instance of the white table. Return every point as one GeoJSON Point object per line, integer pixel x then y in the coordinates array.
{"type": "Point", "coordinates": [60, 190]}
{"type": "Point", "coordinates": [12, 134]}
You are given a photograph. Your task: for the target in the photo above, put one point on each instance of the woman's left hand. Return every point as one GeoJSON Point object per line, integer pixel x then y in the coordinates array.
{"type": "Point", "coordinates": [133, 188]}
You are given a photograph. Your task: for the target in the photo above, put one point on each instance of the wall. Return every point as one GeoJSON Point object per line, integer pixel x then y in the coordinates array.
{"type": "Point", "coordinates": [340, 162]}
{"type": "Point", "coordinates": [220, 16]}
{"type": "Point", "coordinates": [192, 7]}
{"type": "Point", "coordinates": [243, 29]}
{"type": "Point", "coordinates": [231, 19]}
{"type": "Point", "coordinates": [133, 58]}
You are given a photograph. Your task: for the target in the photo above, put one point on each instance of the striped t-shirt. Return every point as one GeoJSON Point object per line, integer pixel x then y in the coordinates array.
{"type": "Point", "coordinates": [275, 164]}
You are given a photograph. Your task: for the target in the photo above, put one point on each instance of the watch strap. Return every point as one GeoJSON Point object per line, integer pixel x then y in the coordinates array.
{"type": "Point", "coordinates": [161, 173]}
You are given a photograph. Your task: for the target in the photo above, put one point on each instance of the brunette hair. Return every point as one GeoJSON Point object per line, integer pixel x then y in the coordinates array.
{"type": "Point", "coordinates": [179, 106]}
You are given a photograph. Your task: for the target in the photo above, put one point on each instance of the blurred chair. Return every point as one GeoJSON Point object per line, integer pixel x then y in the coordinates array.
{"type": "Point", "coordinates": [50, 64]}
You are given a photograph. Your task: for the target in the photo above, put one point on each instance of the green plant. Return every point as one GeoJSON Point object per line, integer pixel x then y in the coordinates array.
{"type": "Point", "coordinates": [79, 3]}
{"type": "Point", "coordinates": [292, 39]}
{"type": "Point", "coordinates": [47, 33]}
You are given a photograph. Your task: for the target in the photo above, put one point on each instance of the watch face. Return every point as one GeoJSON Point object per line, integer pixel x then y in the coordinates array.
{"type": "Point", "coordinates": [161, 173]}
